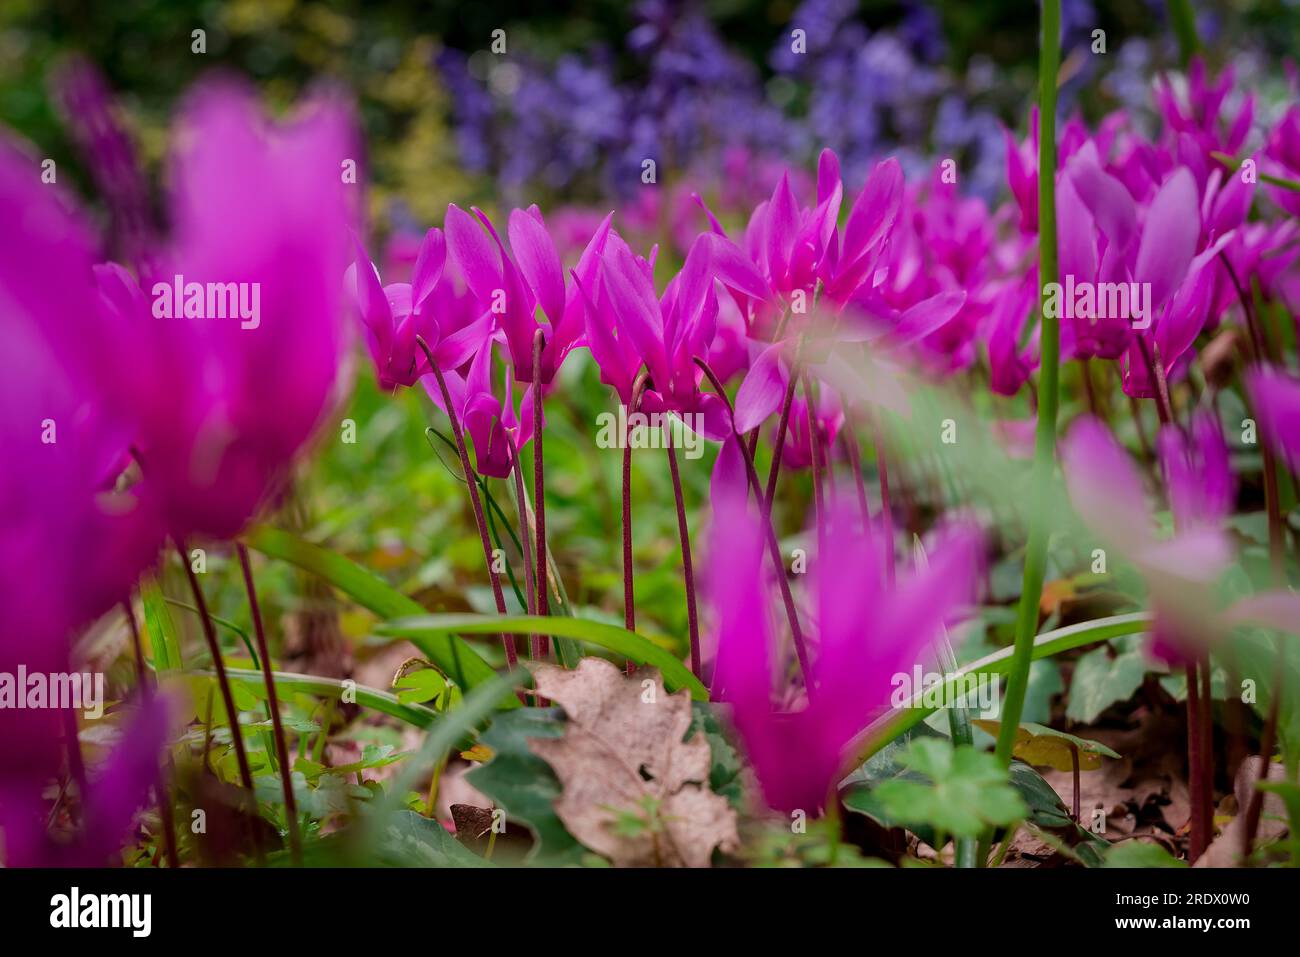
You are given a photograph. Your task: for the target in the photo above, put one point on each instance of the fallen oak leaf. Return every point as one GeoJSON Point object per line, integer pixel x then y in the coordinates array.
{"type": "Point", "coordinates": [633, 789]}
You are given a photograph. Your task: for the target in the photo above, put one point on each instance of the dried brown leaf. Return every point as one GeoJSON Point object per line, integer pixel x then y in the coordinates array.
{"type": "Point", "coordinates": [622, 752]}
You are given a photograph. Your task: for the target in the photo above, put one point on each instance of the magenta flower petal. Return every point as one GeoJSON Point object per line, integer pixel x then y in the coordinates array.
{"type": "Point", "coordinates": [1105, 486]}
{"type": "Point", "coordinates": [538, 261]}
{"type": "Point", "coordinates": [1169, 237]}
{"type": "Point", "coordinates": [1276, 400]}
{"type": "Point", "coordinates": [429, 263]}
{"type": "Point", "coordinates": [762, 390]}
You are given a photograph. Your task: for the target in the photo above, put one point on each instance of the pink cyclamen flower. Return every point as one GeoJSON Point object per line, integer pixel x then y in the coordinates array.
{"type": "Point", "coordinates": [74, 542]}
{"type": "Point", "coordinates": [514, 289]}
{"type": "Point", "coordinates": [1282, 159]}
{"type": "Point", "coordinates": [497, 432]}
{"type": "Point", "coordinates": [1275, 397]}
{"type": "Point", "coordinates": [827, 419]}
{"type": "Point", "coordinates": [259, 212]}
{"type": "Point", "coordinates": [868, 633]}
{"type": "Point", "coordinates": [1193, 107]}
{"type": "Point", "coordinates": [1107, 492]}
{"type": "Point", "coordinates": [429, 306]}
{"type": "Point", "coordinates": [943, 243]}
{"type": "Point", "coordinates": [629, 325]}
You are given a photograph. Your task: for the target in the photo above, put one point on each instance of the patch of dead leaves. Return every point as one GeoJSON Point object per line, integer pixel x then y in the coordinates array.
{"type": "Point", "coordinates": [623, 757]}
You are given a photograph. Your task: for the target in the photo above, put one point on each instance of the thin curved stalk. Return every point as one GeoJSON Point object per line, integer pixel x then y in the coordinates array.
{"type": "Point", "coordinates": [219, 666]}
{"type": "Point", "coordinates": [629, 595]}
{"type": "Point", "coordinates": [459, 435]}
{"type": "Point", "coordinates": [773, 546]}
{"type": "Point", "coordinates": [277, 726]}
{"type": "Point", "coordinates": [526, 540]}
{"type": "Point", "coordinates": [539, 485]}
{"type": "Point", "coordinates": [688, 571]}
{"type": "Point", "coordinates": [783, 423]}
{"type": "Point", "coordinates": [146, 691]}
{"type": "Point", "coordinates": [1276, 551]}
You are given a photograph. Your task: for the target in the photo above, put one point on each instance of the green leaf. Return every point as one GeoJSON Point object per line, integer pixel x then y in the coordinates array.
{"type": "Point", "coordinates": [417, 687]}
{"type": "Point", "coordinates": [412, 840]}
{"type": "Point", "coordinates": [966, 790]}
{"type": "Point", "coordinates": [452, 655]}
{"type": "Point", "coordinates": [1046, 809]}
{"type": "Point", "coordinates": [1042, 746]}
{"type": "Point", "coordinates": [1101, 680]}
{"type": "Point", "coordinates": [160, 630]}
{"type": "Point", "coordinates": [1136, 853]}
{"type": "Point", "coordinates": [452, 728]}
{"type": "Point", "coordinates": [887, 765]}
{"type": "Point", "coordinates": [523, 784]}
{"type": "Point", "coordinates": [611, 637]}
{"type": "Point", "coordinates": [725, 766]}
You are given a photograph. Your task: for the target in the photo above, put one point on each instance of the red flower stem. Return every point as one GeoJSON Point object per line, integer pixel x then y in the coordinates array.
{"type": "Point", "coordinates": [1086, 374]}
{"type": "Point", "coordinates": [1276, 547]}
{"type": "Point", "coordinates": [475, 502]}
{"type": "Point", "coordinates": [629, 593]}
{"type": "Point", "coordinates": [776, 337]}
{"type": "Point", "coordinates": [777, 447]}
{"type": "Point", "coordinates": [1196, 846]}
{"type": "Point", "coordinates": [1207, 748]}
{"type": "Point", "coordinates": [1276, 532]}
{"type": "Point", "coordinates": [1074, 774]}
{"type": "Point", "coordinates": [146, 691]}
{"type": "Point", "coordinates": [688, 572]}
{"type": "Point", "coordinates": [219, 666]}
{"type": "Point", "coordinates": [773, 546]}
{"type": "Point", "coordinates": [539, 486]}
{"type": "Point", "coordinates": [1143, 441]}
{"type": "Point", "coordinates": [1156, 370]}
{"type": "Point", "coordinates": [277, 726]}
{"type": "Point", "coordinates": [525, 538]}
{"type": "Point", "coordinates": [886, 506]}
{"type": "Point", "coordinates": [1267, 741]}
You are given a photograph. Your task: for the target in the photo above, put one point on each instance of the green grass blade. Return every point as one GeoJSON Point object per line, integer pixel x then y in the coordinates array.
{"type": "Point", "coordinates": [288, 682]}
{"type": "Point", "coordinates": [1045, 436]}
{"type": "Point", "coordinates": [164, 642]}
{"type": "Point", "coordinates": [890, 725]}
{"type": "Point", "coordinates": [454, 657]}
{"type": "Point", "coordinates": [610, 637]}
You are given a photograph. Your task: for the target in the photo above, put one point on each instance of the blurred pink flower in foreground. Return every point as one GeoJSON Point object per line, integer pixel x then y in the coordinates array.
{"type": "Point", "coordinates": [1275, 398]}
{"type": "Point", "coordinates": [1180, 571]}
{"type": "Point", "coordinates": [213, 404]}
{"type": "Point", "coordinates": [868, 632]}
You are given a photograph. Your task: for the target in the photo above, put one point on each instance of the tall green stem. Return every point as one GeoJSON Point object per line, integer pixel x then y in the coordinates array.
{"type": "Point", "coordinates": [1183, 21]}
{"type": "Point", "coordinates": [1045, 438]}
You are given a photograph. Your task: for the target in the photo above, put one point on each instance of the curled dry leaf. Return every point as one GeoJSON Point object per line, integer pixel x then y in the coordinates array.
{"type": "Point", "coordinates": [634, 791]}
